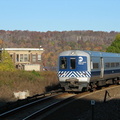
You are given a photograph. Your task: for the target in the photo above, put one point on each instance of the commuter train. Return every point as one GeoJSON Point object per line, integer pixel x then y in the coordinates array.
{"type": "Point", "coordinates": [86, 70]}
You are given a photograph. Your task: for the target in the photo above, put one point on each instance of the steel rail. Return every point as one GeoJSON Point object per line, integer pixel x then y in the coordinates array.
{"type": "Point", "coordinates": [26, 105]}
{"type": "Point", "coordinates": [47, 108]}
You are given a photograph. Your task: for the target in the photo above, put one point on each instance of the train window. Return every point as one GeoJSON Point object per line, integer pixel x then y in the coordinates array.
{"type": "Point", "coordinates": [72, 63]}
{"type": "Point", "coordinates": [107, 65]}
{"type": "Point", "coordinates": [112, 64]}
{"type": "Point", "coordinates": [117, 64]}
{"type": "Point", "coordinates": [95, 65]}
{"type": "Point", "coordinates": [63, 63]}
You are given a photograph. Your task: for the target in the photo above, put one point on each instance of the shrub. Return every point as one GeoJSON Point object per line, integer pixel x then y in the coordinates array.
{"type": "Point", "coordinates": [6, 63]}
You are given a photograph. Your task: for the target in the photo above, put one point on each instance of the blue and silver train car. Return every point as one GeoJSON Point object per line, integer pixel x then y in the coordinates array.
{"type": "Point", "coordinates": [83, 70]}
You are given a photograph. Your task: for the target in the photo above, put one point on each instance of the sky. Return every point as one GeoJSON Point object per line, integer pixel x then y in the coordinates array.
{"type": "Point", "coordinates": [60, 15]}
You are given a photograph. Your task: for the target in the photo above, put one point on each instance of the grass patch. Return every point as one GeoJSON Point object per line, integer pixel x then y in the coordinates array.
{"type": "Point", "coordinates": [34, 82]}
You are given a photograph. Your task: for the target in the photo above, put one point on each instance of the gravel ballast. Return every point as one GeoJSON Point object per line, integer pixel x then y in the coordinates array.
{"type": "Point", "coordinates": [81, 109]}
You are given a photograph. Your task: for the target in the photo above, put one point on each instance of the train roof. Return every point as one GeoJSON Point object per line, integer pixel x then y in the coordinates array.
{"type": "Point", "coordinates": [102, 54]}
{"type": "Point", "coordinates": [91, 53]}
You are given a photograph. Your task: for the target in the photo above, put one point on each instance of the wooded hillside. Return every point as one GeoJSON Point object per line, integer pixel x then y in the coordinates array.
{"type": "Point", "coordinates": [55, 42]}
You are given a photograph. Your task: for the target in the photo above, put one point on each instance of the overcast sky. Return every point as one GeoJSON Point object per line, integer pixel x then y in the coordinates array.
{"type": "Point", "coordinates": [60, 15]}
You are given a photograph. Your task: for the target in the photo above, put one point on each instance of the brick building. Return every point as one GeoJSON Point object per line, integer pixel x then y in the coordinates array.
{"type": "Point", "coordinates": [26, 58]}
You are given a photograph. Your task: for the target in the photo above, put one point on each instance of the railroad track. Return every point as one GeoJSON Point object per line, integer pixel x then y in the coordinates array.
{"type": "Point", "coordinates": [40, 108]}
{"type": "Point", "coordinates": [11, 105]}
{"type": "Point", "coordinates": [22, 112]}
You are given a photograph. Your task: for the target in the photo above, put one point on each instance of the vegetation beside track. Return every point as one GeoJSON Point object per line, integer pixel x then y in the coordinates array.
{"type": "Point", "coordinates": [34, 82]}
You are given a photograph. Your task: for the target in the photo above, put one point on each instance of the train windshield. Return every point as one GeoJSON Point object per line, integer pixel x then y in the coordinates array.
{"type": "Point", "coordinates": [72, 63]}
{"type": "Point", "coordinates": [63, 63]}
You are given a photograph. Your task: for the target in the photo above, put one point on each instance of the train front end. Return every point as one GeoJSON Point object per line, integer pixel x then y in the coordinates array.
{"type": "Point", "coordinates": [74, 70]}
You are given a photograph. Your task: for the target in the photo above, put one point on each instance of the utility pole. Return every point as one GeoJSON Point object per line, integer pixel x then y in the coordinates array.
{"type": "Point", "coordinates": [1, 46]}
{"type": "Point", "coordinates": [78, 38]}
{"type": "Point", "coordinates": [92, 104]}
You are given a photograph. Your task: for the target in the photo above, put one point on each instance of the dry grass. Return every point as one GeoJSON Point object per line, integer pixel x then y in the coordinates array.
{"type": "Point", "coordinates": [34, 82]}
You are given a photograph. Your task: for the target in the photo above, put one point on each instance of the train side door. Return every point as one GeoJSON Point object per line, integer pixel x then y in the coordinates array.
{"type": "Point", "coordinates": [101, 67]}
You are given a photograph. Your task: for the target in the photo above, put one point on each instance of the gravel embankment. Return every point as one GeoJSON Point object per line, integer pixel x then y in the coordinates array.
{"type": "Point", "coordinates": [81, 109]}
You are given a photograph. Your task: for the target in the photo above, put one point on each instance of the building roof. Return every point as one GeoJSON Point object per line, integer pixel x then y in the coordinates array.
{"type": "Point", "coordinates": [25, 49]}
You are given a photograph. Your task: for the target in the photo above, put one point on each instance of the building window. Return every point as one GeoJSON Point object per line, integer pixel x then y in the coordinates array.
{"type": "Point", "coordinates": [34, 58]}
{"type": "Point", "coordinates": [17, 58]}
{"type": "Point", "coordinates": [21, 57]}
{"type": "Point", "coordinates": [26, 57]}
{"type": "Point", "coordinates": [39, 57]}
{"type": "Point", "coordinates": [11, 55]}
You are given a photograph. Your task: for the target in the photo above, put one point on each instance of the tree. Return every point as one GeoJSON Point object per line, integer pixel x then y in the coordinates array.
{"type": "Point", "coordinates": [6, 63]}
{"type": "Point", "coordinates": [115, 46]}
{"type": "Point", "coordinates": [1, 41]}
